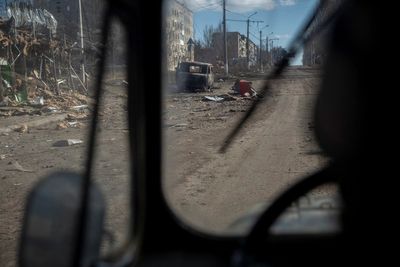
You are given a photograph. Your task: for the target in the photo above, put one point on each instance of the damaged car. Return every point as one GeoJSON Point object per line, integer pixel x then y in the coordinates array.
{"type": "Point", "coordinates": [194, 75]}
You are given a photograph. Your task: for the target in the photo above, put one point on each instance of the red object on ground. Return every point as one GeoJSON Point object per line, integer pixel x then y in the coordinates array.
{"type": "Point", "coordinates": [244, 87]}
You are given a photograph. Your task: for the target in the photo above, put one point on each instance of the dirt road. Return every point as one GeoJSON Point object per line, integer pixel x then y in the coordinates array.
{"type": "Point", "coordinates": [208, 189]}
{"type": "Point", "coordinates": [277, 147]}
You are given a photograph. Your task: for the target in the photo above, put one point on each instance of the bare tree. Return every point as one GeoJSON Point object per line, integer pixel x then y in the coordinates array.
{"type": "Point", "coordinates": [208, 32]}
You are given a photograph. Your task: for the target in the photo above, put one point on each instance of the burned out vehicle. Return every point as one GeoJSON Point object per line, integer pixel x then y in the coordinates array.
{"type": "Point", "coordinates": [194, 75]}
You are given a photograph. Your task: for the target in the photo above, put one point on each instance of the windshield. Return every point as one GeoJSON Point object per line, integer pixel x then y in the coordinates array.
{"type": "Point", "coordinates": [49, 53]}
{"type": "Point", "coordinates": [213, 191]}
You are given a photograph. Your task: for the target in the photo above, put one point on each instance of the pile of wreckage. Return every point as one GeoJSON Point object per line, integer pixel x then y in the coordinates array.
{"type": "Point", "coordinates": [37, 67]}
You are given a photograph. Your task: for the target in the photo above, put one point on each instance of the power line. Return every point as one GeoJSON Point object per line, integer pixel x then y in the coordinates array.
{"type": "Point", "coordinates": [255, 36]}
{"type": "Point", "coordinates": [235, 13]}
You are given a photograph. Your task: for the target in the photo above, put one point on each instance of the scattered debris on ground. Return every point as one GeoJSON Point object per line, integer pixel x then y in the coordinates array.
{"type": "Point", "coordinates": [17, 167]}
{"type": "Point", "coordinates": [213, 98]}
{"type": "Point", "coordinates": [67, 142]}
{"type": "Point", "coordinates": [22, 129]}
{"type": "Point", "coordinates": [244, 88]}
{"type": "Point", "coordinates": [68, 124]}
{"type": "Point", "coordinates": [49, 103]}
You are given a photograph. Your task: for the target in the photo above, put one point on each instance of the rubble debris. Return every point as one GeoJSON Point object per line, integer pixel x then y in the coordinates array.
{"type": "Point", "coordinates": [61, 125]}
{"type": "Point", "coordinates": [22, 129]}
{"type": "Point", "coordinates": [228, 97]}
{"type": "Point", "coordinates": [220, 98]}
{"type": "Point", "coordinates": [38, 101]}
{"type": "Point", "coordinates": [213, 98]}
{"type": "Point", "coordinates": [2, 157]}
{"type": "Point", "coordinates": [36, 66]}
{"type": "Point", "coordinates": [68, 124]}
{"type": "Point", "coordinates": [17, 167]}
{"type": "Point", "coordinates": [244, 88]}
{"type": "Point", "coordinates": [73, 123]}
{"type": "Point", "coordinates": [79, 108]}
{"type": "Point", "coordinates": [4, 102]}
{"type": "Point", "coordinates": [74, 117]}
{"type": "Point", "coordinates": [67, 142]}
{"type": "Point", "coordinates": [50, 110]}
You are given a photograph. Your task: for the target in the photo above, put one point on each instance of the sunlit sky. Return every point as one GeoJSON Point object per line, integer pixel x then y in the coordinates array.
{"type": "Point", "coordinates": [283, 17]}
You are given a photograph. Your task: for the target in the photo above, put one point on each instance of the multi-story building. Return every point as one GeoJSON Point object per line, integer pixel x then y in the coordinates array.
{"type": "Point", "coordinates": [236, 46]}
{"type": "Point", "coordinates": [179, 34]}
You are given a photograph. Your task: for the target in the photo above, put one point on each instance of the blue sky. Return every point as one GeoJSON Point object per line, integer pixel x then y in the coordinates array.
{"type": "Point", "coordinates": [284, 17]}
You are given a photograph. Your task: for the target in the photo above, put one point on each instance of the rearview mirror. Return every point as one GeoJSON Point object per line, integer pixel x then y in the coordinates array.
{"type": "Point", "coordinates": [51, 222]}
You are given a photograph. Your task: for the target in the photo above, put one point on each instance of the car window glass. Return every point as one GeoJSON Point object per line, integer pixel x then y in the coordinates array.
{"type": "Point", "coordinates": [276, 148]}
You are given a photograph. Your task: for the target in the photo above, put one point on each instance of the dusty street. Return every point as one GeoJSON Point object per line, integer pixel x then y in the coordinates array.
{"type": "Point", "coordinates": [276, 148]}
{"type": "Point", "coordinates": [208, 189]}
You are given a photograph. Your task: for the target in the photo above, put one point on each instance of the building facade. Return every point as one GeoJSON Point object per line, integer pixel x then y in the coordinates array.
{"type": "Point", "coordinates": [236, 46]}
{"type": "Point", "coordinates": [179, 34]}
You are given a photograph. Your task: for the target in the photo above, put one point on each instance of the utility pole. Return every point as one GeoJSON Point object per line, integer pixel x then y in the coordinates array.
{"type": "Point", "coordinates": [272, 49]}
{"type": "Point", "coordinates": [247, 44]}
{"type": "Point", "coordinates": [260, 55]}
{"type": "Point", "coordinates": [267, 49]}
{"type": "Point", "coordinates": [260, 50]}
{"type": "Point", "coordinates": [225, 42]}
{"type": "Point", "coordinates": [82, 44]}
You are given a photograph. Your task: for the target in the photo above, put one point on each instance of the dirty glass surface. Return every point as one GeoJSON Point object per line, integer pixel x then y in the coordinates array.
{"type": "Point", "coordinates": [212, 191]}
{"type": "Point", "coordinates": [46, 96]}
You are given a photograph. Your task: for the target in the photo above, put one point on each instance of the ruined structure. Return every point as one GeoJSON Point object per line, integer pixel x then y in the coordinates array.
{"type": "Point", "coordinates": [179, 31]}
{"type": "Point", "coordinates": [33, 59]}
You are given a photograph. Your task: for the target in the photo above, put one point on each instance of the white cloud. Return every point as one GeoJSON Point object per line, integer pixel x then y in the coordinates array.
{"type": "Point", "coordinates": [243, 6]}
{"type": "Point", "coordinates": [282, 36]}
{"type": "Point", "coordinates": [287, 2]}
{"type": "Point", "coordinates": [240, 6]}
